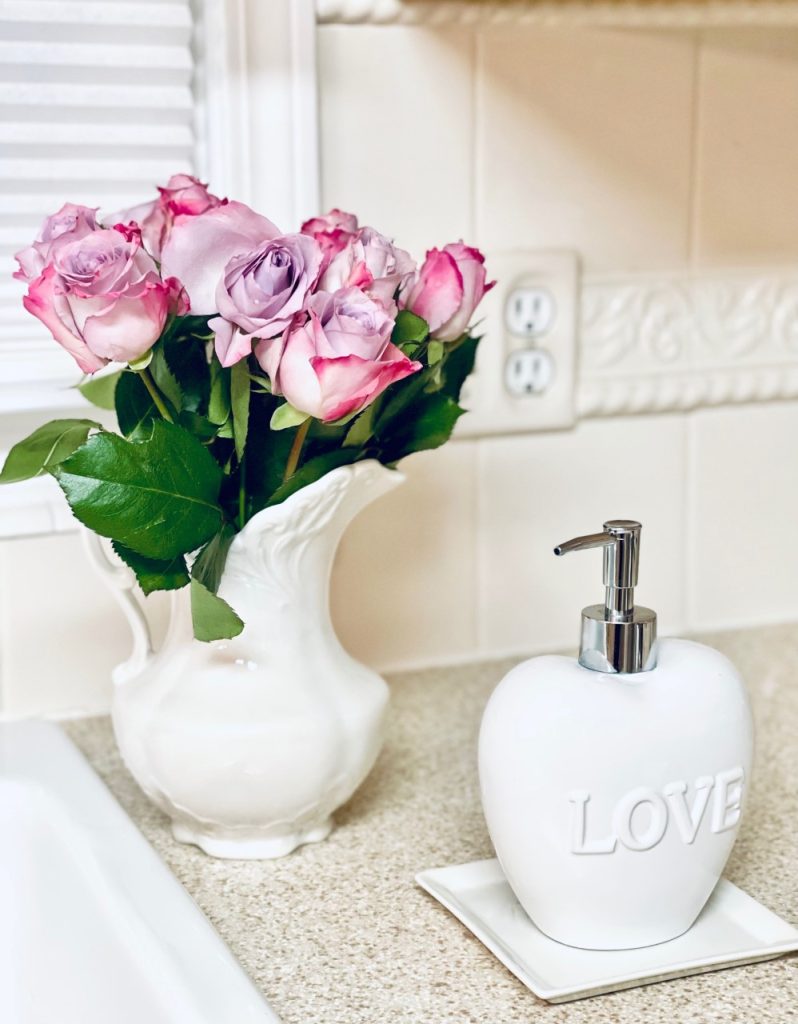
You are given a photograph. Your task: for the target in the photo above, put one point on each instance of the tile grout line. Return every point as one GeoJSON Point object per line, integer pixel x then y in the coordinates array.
{"type": "Point", "coordinates": [688, 466]}
{"type": "Point", "coordinates": [480, 635]}
{"type": "Point", "coordinates": [689, 525]}
{"type": "Point", "coordinates": [478, 509]}
{"type": "Point", "coordinates": [476, 120]}
{"type": "Point", "coordinates": [695, 155]}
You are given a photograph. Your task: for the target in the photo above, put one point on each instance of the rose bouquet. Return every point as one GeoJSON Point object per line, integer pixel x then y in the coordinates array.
{"type": "Point", "coordinates": [251, 364]}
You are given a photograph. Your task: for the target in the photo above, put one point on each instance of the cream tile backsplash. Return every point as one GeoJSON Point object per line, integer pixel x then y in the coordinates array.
{"type": "Point", "coordinates": [406, 577]}
{"type": "Point", "coordinates": [583, 141]}
{"type": "Point", "coordinates": [397, 127]}
{"type": "Point", "coordinates": [534, 495]}
{"type": "Point", "coordinates": [643, 151]}
{"type": "Point", "coordinates": [747, 148]}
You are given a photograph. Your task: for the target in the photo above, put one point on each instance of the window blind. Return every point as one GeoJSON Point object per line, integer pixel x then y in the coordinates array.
{"type": "Point", "coordinates": [96, 107]}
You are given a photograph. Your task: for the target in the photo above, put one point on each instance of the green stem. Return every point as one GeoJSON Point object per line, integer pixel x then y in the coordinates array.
{"type": "Point", "coordinates": [296, 449]}
{"type": "Point", "coordinates": [242, 495]}
{"type": "Point", "coordinates": [155, 394]}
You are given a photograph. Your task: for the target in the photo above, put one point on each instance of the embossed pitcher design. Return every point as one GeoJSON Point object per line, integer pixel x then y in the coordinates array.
{"type": "Point", "coordinates": [250, 744]}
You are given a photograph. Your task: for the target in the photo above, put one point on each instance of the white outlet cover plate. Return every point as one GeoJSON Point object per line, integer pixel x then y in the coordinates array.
{"type": "Point", "coordinates": [491, 408]}
{"type": "Point", "coordinates": [732, 929]}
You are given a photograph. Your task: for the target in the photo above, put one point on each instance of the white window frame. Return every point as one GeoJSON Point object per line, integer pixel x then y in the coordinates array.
{"type": "Point", "coordinates": [257, 112]}
{"type": "Point", "coordinates": [256, 97]}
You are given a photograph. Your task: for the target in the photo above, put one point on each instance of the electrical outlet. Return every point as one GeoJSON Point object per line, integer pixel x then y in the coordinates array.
{"type": "Point", "coordinates": [529, 312]}
{"type": "Point", "coordinates": [524, 378]}
{"type": "Point", "coordinates": [528, 371]}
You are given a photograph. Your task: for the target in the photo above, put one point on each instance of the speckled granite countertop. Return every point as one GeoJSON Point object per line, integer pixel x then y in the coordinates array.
{"type": "Point", "coordinates": [338, 933]}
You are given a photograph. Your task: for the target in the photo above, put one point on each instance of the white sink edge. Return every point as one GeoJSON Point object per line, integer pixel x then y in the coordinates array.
{"type": "Point", "coordinates": [193, 963]}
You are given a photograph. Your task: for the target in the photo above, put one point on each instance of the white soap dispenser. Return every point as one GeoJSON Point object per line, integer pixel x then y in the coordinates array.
{"type": "Point", "coordinates": [613, 785]}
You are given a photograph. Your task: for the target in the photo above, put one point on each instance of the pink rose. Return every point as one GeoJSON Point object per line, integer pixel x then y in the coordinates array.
{"type": "Point", "coordinates": [199, 247]}
{"type": "Point", "coordinates": [261, 291]}
{"type": "Point", "coordinates": [102, 298]}
{"type": "Point", "coordinates": [369, 261]}
{"type": "Point", "coordinates": [70, 223]}
{"type": "Point", "coordinates": [337, 362]}
{"type": "Point", "coordinates": [183, 196]}
{"type": "Point", "coordinates": [332, 231]}
{"type": "Point", "coordinates": [447, 290]}
{"type": "Point", "coordinates": [335, 220]}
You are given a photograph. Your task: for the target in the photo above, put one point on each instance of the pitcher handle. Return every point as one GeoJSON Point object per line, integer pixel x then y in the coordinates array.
{"type": "Point", "coordinates": [121, 582]}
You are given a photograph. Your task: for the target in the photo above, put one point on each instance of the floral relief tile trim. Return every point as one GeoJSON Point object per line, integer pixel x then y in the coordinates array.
{"type": "Point", "coordinates": [654, 344]}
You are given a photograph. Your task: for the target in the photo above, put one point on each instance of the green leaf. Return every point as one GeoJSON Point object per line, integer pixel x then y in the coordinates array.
{"type": "Point", "coordinates": [239, 403]}
{"type": "Point", "coordinates": [409, 329]}
{"type": "Point", "coordinates": [261, 384]}
{"type": "Point", "coordinates": [141, 363]}
{"type": "Point", "coordinates": [197, 425]}
{"type": "Point", "coordinates": [458, 365]}
{"type": "Point", "coordinates": [135, 409]}
{"type": "Point", "coordinates": [100, 389]}
{"type": "Point", "coordinates": [184, 350]}
{"type": "Point", "coordinates": [159, 497]}
{"type": "Point", "coordinates": [209, 563]}
{"type": "Point", "coordinates": [212, 616]}
{"type": "Point", "coordinates": [314, 469]}
{"type": "Point", "coordinates": [219, 402]}
{"type": "Point", "coordinates": [152, 573]}
{"type": "Point", "coordinates": [401, 401]}
{"type": "Point", "coordinates": [362, 428]}
{"type": "Point", "coordinates": [430, 426]}
{"type": "Point", "coordinates": [266, 460]}
{"type": "Point", "coordinates": [45, 448]}
{"type": "Point", "coordinates": [165, 380]}
{"type": "Point", "coordinates": [435, 351]}
{"type": "Point", "coordinates": [285, 416]}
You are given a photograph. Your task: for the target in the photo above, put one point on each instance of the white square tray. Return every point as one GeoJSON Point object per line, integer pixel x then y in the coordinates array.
{"type": "Point", "coordinates": [732, 929]}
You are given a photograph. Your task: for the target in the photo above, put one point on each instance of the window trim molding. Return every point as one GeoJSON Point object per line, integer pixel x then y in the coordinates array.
{"type": "Point", "coordinates": [250, 100]}
{"type": "Point", "coordinates": [257, 96]}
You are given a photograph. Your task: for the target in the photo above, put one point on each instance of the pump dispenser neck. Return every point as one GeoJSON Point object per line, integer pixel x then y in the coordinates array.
{"type": "Point", "coordinates": [616, 636]}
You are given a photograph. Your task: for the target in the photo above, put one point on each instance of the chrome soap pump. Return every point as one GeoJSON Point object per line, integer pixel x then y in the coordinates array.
{"type": "Point", "coordinates": [613, 784]}
{"type": "Point", "coordinates": [616, 636]}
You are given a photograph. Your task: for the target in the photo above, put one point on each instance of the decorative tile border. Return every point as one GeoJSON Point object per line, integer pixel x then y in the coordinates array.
{"type": "Point", "coordinates": [657, 343]}
{"type": "Point", "coordinates": [601, 13]}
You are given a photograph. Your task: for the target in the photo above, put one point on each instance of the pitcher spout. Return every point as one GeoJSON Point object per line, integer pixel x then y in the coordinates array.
{"type": "Point", "coordinates": [284, 547]}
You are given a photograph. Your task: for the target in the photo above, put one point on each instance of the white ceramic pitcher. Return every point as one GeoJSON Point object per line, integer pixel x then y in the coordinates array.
{"type": "Point", "coordinates": [250, 744]}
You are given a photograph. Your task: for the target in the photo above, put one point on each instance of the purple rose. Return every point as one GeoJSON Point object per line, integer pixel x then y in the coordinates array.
{"type": "Point", "coordinates": [182, 196]}
{"type": "Point", "coordinates": [199, 246]}
{"type": "Point", "coordinates": [338, 361]}
{"type": "Point", "coordinates": [59, 229]}
{"type": "Point", "coordinates": [261, 291]}
{"type": "Point", "coordinates": [102, 298]}
{"type": "Point", "coordinates": [369, 261]}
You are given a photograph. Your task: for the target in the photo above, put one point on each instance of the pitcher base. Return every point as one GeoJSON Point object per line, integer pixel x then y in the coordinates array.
{"type": "Point", "coordinates": [251, 847]}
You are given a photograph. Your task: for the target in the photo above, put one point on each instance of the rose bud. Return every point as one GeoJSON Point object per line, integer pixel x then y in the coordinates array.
{"type": "Point", "coordinates": [447, 289]}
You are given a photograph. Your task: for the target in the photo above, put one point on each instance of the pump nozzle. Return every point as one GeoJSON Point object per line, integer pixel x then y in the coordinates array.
{"type": "Point", "coordinates": [616, 637]}
{"type": "Point", "coordinates": [621, 543]}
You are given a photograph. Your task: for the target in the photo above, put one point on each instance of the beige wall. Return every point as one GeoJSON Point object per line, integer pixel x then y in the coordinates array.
{"type": "Point", "coordinates": [650, 151]}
